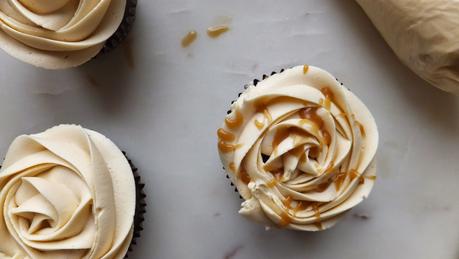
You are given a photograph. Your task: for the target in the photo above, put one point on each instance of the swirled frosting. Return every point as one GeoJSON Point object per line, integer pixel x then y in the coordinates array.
{"type": "Point", "coordinates": [300, 149]}
{"type": "Point", "coordinates": [57, 34]}
{"type": "Point", "coordinates": [65, 193]}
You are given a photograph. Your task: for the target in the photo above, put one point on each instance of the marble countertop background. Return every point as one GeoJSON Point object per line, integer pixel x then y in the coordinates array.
{"type": "Point", "coordinates": [163, 104]}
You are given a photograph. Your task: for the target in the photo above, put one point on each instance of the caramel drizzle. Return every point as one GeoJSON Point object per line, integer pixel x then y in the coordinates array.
{"type": "Point", "coordinates": [316, 209]}
{"type": "Point", "coordinates": [225, 135]}
{"type": "Point", "coordinates": [260, 125]}
{"type": "Point", "coordinates": [245, 178]}
{"type": "Point", "coordinates": [223, 138]}
{"type": "Point", "coordinates": [232, 167]}
{"type": "Point", "coordinates": [267, 115]}
{"type": "Point", "coordinates": [236, 122]}
{"type": "Point", "coordinates": [327, 92]}
{"type": "Point", "coordinates": [225, 147]}
{"type": "Point", "coordinates": [286, 218]}
{"type": "Point", "coordinates": [305, 69]}
{"type": "Point", "coordinates": [308, 115]}
{"type": "Point", "coordinates": [189, 38]}
{"type": "Point", "coordinates": [216, 31]}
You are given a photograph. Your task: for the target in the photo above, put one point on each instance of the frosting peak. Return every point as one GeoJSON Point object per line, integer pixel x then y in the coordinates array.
{"type": "Point", "coordinates": [299, 147]}
{"type": "Point", "coordinates": [66, 193]}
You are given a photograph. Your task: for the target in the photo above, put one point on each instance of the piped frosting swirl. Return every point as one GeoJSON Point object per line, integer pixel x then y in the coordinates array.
{"type": "Point", "coordinates": [57, 33]}
{"type": "Point", "coordinates": [300, 148]}
{"type": "Point", "coordinates": [68, 192]}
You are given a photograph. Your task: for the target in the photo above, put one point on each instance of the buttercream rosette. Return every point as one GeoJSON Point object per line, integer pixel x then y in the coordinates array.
{"type": "Point", "coordinates": [300, 149]}
{"type": "Point", "coordinates": [57, 34]}
{"type": "Point", "coordinates": [68, 192]}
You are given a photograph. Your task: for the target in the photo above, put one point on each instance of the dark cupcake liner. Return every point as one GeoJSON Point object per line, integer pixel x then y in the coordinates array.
{"type": "Point", "coordinates": [255, 83]}
{"type": "Point", "coordinates": [140, 206]}
{"type": "Point", "coordinates": [123, 30]}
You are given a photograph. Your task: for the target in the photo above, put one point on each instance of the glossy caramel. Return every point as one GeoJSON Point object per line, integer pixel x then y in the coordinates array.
{"type": "Point", "coordinates": [305, 69]}
{"type": "Point", "coordinates": [189, 38]}
{"type": "Point", "coordinates": [232, 167]}
{"type": "Point", "coordinates": [225, 135]}
{"type": "Point", "coordinates": [236, 121]}
{"type": "Point", "coordinates": [310, 113]}
{"type": "Point", "coordinates": [244, 177]}
{"type": "Point", "coordinates": [216, 31]}
{"type": "Point", "coordinates": [260, 125]}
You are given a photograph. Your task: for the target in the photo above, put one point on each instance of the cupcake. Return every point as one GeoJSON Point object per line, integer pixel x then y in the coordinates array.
{"type": "Point", "coordinates": [68, 192]}
{"type": "Point", "coordinates": [61, 34]}
{"type": "Point", "coordinates": [300, 149]}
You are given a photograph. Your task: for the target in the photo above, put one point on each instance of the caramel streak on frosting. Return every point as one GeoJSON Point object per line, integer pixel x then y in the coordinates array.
{"type": "Point", "coordinates": [68, 192]}
{"type": "Point", "coordinates": [308, 149]}
{"type": "Point", "coordinates": [57, 34]}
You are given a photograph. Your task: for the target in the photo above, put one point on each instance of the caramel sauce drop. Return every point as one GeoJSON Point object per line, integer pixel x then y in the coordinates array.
{"type": "Point", "coordinates": [314, 152]}
{"type": "Point", "coordinates": [216, 31]}
{"type": "Point", "coordinates": [236, 122]}
{"type": "Point", "coordinates": [371, 177]}
{"type": "Point", "coordinates": [321, 187]}
{"type": "Point", "coordinates": [288, 202]}
{"type": "Point", "coordinates": [268, 115]}
{"type": "Point", "coordinates": [225, 147]}
{"type": "Point", "coordinates": [299, 207]}
{"type": "Point", "coordinates": [327, 137]}
{"type": "Point", "coordinates": [245, 178]}
{"type": "Point", "coordinates": [339, 180]}
{"type": "Point", "coordinates": [260, 125]}
{"type": "Point", "coordinates": [225, 135]}
{"type": "Point", "coordinates": [232, 167]}
{"type": "Point", "coordinates": [318, 224]}
{"type": "Point", "coordinates": [354, 174]}
{"type": "Point", "coordinates": [310, 113]}
{"type": "Point", "coordinates": [285, 219]}
{"type": "Point", "coordinates": [328, 97]}
{"type": "Point", "coordinates": [189, 38]}
{"type": "Point", "coordinates": [305, 69]}
{"type": "Point", "coordinates": [272, 183]}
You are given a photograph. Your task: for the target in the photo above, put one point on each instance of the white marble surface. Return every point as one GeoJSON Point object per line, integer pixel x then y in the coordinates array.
{"type": "Point", "coordinates": [165, 107]}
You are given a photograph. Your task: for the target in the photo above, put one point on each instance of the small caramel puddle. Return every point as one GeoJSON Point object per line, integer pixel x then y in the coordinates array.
{"type": "Point", "coordinates": [216, 31]}
{"type": "Point", "coordinates": [189, 38]}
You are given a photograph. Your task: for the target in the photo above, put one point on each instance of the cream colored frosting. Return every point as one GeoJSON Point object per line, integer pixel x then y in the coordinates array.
{"type": "Point", "coordinates": [68, 192]}
{"type": "Point", "coordinates": [300, 148]}
{"type": "Point", "coordinates": [57, 34]}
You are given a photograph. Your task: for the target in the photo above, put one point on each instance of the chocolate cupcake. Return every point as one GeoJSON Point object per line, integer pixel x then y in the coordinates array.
{"type": "Point", "coordinates": [62, 33]}
{"type": "Point", "coordinates": [300, 149]}
{"type": "Point", "coordinates": [68, 192]}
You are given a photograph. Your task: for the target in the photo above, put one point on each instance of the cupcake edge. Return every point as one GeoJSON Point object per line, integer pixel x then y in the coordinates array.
{"type": "Point", "coordinates": [254, 83]}
{"type": "Point", "coordinates": [123, 30]}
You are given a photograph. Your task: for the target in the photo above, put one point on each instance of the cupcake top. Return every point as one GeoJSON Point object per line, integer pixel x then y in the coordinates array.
{"type": "Point", "coordinates": [68, 192]}
{"type": "Point", "coordinates": [300, 148]}
{"type": "Point", "coordinates": [57, 34]}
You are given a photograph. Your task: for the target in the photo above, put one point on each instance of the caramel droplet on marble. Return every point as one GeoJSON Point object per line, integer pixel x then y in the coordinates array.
{"type": "Point", "coordinates": [216, 31]}
{"type": "Point", "coordinates": [189, 38]}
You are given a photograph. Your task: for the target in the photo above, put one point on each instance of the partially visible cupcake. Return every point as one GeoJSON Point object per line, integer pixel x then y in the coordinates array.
{"type": "Point", "coordinates": [300, 149]}
{"type": "Point", "coordinates": [68, 192]}
{"type": "Point", "coordinates": [61, 34]}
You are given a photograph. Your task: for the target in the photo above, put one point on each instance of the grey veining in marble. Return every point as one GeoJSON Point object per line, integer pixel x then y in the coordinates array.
{"type": "Point", "coordinates": [163, 104]}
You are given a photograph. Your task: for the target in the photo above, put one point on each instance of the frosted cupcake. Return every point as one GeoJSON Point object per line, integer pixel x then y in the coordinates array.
{"type": "Point", "coordinates": [59, 34]}
{"type": "Point", "coordinates": [300, 149]}
{"type": "Point", "coordinates": [68, 192]}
